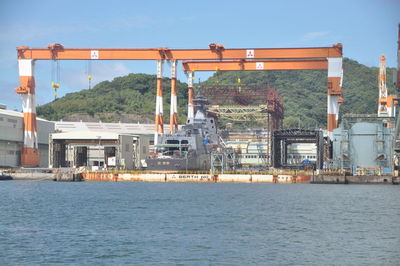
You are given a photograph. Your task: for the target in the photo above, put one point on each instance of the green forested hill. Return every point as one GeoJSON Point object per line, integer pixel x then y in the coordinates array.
{"type": "Point", "coordinates": [303, 93]}
{"type": "Point", "coordinates": [131, 94]}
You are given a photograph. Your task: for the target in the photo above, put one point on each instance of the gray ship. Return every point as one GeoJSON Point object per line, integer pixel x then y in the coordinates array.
{"type": "Point", "coordinates": [188, 149]}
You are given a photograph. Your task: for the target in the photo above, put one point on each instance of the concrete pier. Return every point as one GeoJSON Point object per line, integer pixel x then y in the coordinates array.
{"type": "Point", "coordinates": [31, 175]}
{"type": "Point", "coordinates": [63, 174]}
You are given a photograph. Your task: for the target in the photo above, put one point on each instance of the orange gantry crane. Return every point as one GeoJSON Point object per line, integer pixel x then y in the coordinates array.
{"type": "Point", "coordinates": [218, 53]}
{"type": "Point", "coordinates": [333, 65]}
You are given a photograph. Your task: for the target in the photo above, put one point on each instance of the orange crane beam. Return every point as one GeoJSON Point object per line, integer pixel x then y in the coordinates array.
{"type": "Point", "coordinates": [215, 52]}
{"type": "Point", "coordinates": [254, 65]}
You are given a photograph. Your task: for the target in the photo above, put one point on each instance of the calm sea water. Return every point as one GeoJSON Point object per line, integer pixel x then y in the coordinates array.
{"type": "Point", "coordinates": [44, 222]}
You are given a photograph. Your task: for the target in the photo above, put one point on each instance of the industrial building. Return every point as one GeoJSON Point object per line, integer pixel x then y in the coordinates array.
{"type": "Point", "coordinates": [364, 144]}
{"type": "Point", "coordinates": [80, 138]}
{"type": "Point", "coordinates": [98, 145]}
{"type": "Point", "coordinates": [97, 150]}
{"type": "Point", "coordinates": [12, 138]}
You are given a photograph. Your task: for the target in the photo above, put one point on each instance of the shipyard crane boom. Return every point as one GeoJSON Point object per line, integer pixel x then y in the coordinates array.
{"type": "Point", "coordinates": [27, 57]}
{"type": "Point", "coordinates": [386, 103]}
{"type": "Point", "coordinates": [383, 95]}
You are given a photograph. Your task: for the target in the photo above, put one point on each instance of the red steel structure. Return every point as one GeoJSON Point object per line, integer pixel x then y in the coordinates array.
{"type": "Point", "coordinates": [248, 94]}
{"type": "Point", "coordinates": [27, 57]}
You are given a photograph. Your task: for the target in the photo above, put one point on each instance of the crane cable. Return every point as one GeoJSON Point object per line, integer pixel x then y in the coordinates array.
{"type": "Point", "coordinates": [217, 75]}
{"type": "Point", "coordinates": [240, 87]}
{"type": "Point", "coordinates": [55, 76]}
{"type": "Point", "coordinates": [89, 73]}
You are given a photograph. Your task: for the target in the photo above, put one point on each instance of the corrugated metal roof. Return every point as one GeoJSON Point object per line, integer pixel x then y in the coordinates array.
{"type": "Point", "coordinates": [18, 114]}
{"type": "Point", "coordinates": [126, 128]}
{"type": "Point", "coordinates": [86, 135]}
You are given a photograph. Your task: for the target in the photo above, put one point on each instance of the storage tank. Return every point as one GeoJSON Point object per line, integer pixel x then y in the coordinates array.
{"type": "Point", "coordinates": [363, 145]}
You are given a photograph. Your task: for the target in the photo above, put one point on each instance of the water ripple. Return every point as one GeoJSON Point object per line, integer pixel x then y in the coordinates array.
{"type": "Point", "coordinates": [198, 224]}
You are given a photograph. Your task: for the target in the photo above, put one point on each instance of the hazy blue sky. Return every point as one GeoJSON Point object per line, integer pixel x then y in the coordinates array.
{"type": "Point", "coordinates": [367, 29]}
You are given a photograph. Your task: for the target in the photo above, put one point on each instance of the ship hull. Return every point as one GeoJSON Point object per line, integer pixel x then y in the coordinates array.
{"type": "Point", "coordinates": [199, 163]}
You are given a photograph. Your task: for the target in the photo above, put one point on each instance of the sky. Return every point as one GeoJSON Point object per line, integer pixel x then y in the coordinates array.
{"type": "Point", "coordinates": [366, 28]}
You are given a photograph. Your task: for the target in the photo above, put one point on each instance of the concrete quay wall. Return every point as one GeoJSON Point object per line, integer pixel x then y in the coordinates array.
{"type": "Point", "coordinates": [32, 176]}
{"type": "Point", "coordinates": [195, 177]}
{"type": "Point", "coordinates": [347, 179]}
{"type": "Point", "coordinates": [73, 175]}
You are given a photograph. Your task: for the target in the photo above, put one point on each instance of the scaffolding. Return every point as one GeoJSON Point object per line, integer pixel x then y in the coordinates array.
{"type": "Point", "coordinates": [249, 148]}
{"type": "Point", "coordinates": [239, 102]}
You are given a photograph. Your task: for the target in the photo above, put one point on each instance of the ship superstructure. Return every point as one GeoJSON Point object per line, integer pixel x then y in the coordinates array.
{"type": "Point", "coordinates": [190, 147]}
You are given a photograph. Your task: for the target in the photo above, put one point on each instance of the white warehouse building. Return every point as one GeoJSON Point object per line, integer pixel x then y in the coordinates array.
{"type": "Point", "coordinates": [96, 144]}
{"type": "Point", "coordinates": [120, 139]}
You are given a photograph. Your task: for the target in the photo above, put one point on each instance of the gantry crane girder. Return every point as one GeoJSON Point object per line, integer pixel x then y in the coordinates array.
{"type": "Point", "coordinates": [248, 65]}
{"type": "Point", "coordinates": [59, 52]}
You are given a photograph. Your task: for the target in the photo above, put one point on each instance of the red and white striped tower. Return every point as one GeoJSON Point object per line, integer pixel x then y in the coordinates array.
{"type": "Point", "coordinates": [173, 119]}
{"type": "Point", "coordinates": [190, 95]}
{"type": "Point", "coordinates": [30, 151]}
{"type": "Point", "coordinates": [335, 79]}
{"type": "Point", "coordinates": [159, 129]}
{"type": "Point", "coordinates": [383, 95]}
